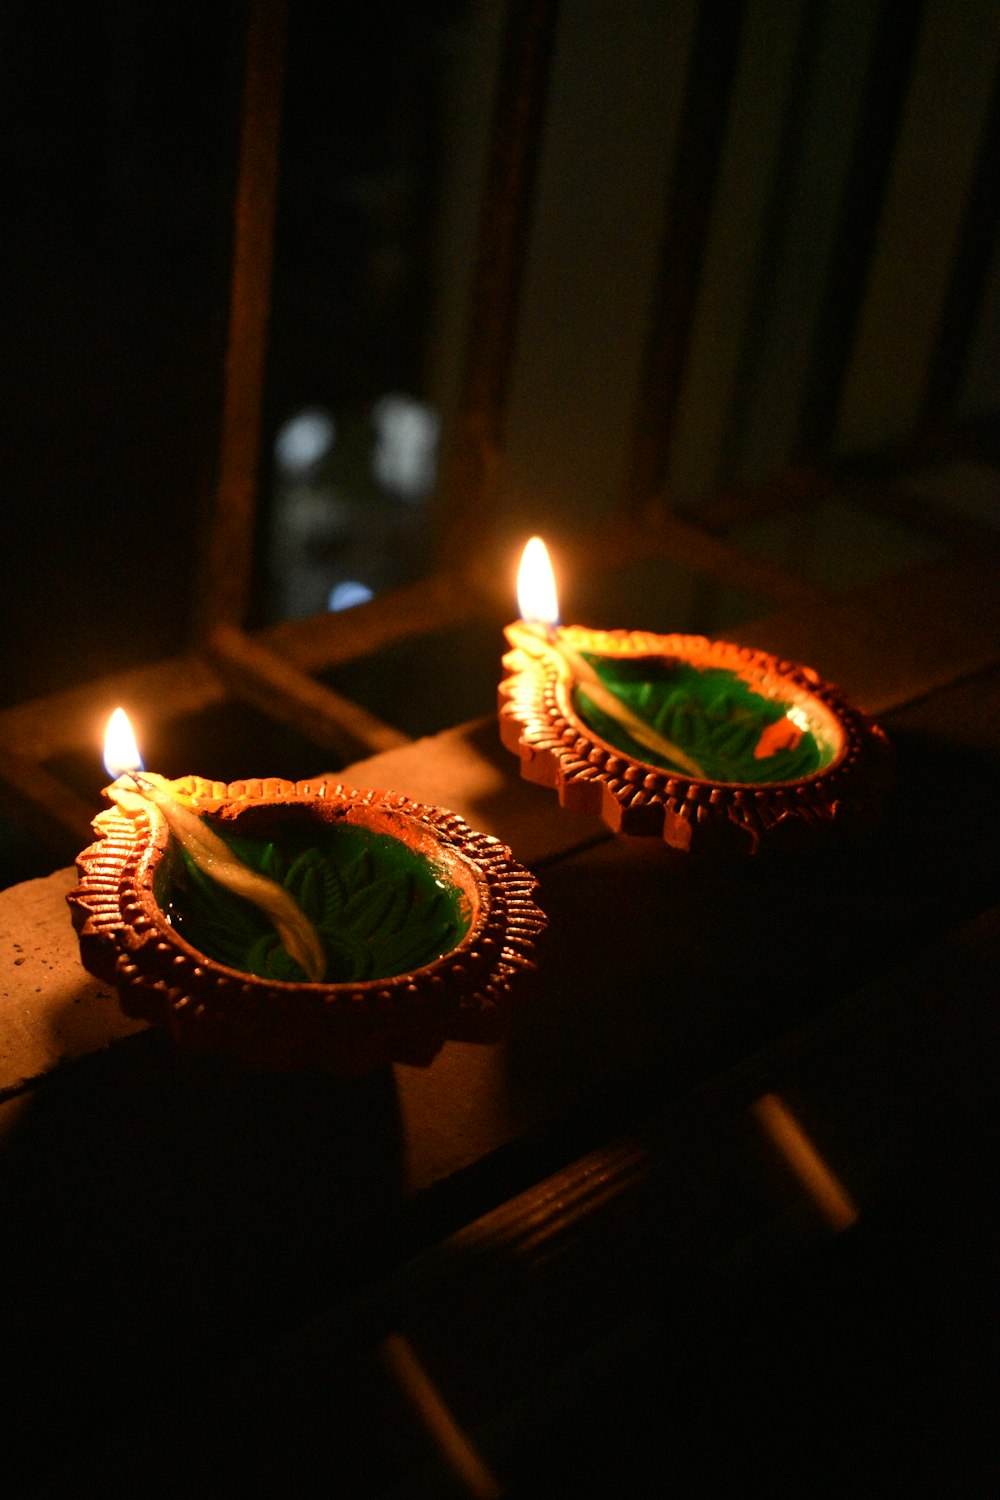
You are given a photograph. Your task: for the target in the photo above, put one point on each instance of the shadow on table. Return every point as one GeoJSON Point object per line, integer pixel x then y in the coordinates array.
{"type": "Point", "coordinates": [165, 1215]}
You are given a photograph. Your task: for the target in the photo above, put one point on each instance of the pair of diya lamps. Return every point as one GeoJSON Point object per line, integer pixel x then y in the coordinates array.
{"type": "Point", "coordinates": [308, 925]}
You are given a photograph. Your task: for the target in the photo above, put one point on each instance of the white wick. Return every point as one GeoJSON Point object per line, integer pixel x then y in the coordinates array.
{"type": "Point", "coordinates": [212, 855]}
{"type": "Point", "coordinates": [530, 635]}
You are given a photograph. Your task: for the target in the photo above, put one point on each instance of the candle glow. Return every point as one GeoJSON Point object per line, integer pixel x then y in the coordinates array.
{"type": "Point", "coordinates": [135, 789]}
{"type": "Point", "coordinates": [536, 585]}
{"type": "Point", "coordinates": [121, 753]}
{"type": "Point", "coordinates": [538, 635]}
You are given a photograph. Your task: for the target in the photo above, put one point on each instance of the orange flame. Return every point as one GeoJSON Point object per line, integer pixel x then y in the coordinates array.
{"type": "Point", "coordinates": [121, 753]}
{"type": "Point", "coordinates": [536, 585]}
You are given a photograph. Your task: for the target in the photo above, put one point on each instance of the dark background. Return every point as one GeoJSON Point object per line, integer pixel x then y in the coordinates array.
{"type": "Point", "coordinates": [118, 155]}
{"type": "Point", "coordinates": [118, 140]}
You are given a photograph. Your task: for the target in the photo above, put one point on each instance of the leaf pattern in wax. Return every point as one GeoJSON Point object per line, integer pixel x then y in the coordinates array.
{"type": "Point", "coordinates": [379, 908]}
{"type": "Point", "coordinates": [712, 714]}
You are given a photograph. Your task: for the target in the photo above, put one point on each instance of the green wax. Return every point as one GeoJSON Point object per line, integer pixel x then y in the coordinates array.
{"type": "Point", "coordinates": [379, 908]}
{"type": "Point", "coordinates": [713, 715]}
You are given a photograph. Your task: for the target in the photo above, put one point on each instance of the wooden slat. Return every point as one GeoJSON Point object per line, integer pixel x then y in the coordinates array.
{"type": "Point", "coordinates": [666, 534]}
{"type": "Point", "coordinates": [467, 769]}
{"type": "Point", "coordinates": [468, 487]}
{"type": "Point", "coordinates": [433, 603]}
{"type": "Point", "coordinates": [43, 805]}
{"type": "Point", "coordinates": [75, 718]}
{"type": "Point", "coordinates": [50, 1011]}
{"type": "Point", "coordinates": [188, 684]}
{"type": "Point", "coordinates": [860, 209]}
{"type": "Point", "coordinates": [711, 73]}
{"type": "Point", "coordinates": [786, 489]}
{"type": "Point", "coordinates": [956, 530]}
{"type": "Point", "coordinates": [224, 578]}
{"type": "Point", "coordinates": [970, 268]}
{"type": "Point", "coordinates": [259, 676]}
{"type": "Point", "coordinates": [893, 642]}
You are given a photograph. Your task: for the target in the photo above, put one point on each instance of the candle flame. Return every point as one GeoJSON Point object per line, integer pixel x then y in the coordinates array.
{"type": "Point", "coordinates": [121, 753]}
{"type": "Point", "coordinates": [536, 585]}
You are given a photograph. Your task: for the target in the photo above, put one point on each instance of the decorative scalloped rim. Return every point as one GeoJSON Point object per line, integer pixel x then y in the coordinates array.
{"type": "Point", "coordinates": [539, 723]}
{"type": "Point", "coordinates": [127, 940]}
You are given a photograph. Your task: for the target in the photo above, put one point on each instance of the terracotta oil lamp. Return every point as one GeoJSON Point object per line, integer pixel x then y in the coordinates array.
{"type": "Point", "coordinates": [325, 928]}
{"type": "Point", "coordinates": [706, 746]}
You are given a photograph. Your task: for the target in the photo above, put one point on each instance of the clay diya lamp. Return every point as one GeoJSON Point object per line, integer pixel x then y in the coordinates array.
{"type": "Point", "coordinates": [422, 930]}
{"type": "Point", "coordinates": [706, 746]}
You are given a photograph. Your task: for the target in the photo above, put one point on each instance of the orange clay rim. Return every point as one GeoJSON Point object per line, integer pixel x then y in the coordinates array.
{"type": "Point", "coordinates": [541, 724]}
{"type": "Point", "coordinates": [127, 939]}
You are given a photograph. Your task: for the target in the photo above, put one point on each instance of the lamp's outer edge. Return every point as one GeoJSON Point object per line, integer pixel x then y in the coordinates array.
{"type": "Point", "coordinates": [467, 994]}
{"type": "Point", "coordinates": [637, 800]}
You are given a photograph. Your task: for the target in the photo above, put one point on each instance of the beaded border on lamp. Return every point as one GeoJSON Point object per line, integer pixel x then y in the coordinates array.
{"type": "Point", "coordinates": [127, 939]}
{"type": "Point", "coordinates": [637, 800]}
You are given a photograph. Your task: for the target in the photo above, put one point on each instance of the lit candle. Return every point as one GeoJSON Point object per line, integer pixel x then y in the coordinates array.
{"type": "Point", "coordinates": [134, 790]}
{"type": "Point", "coordinates": [537, 633]}
{"type": "Point", "coordinates": [121, 753]}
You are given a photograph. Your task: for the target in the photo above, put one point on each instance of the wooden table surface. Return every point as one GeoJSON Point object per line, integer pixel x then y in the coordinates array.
{"type": "Point", "coordinates": [210, 1274]}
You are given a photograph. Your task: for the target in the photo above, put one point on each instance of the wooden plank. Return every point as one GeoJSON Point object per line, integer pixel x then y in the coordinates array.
{"type": "Point", "coordinates": [75, 718]}
{"type": "Point", "coordinates": [894, 641]}
{"type": "Point", "coordinates": [860, 208]}
{"type": "Point", "coordinates": [261, 677]}
{"type": "Point", "coordinates": [690, 195]}
{"type": "Point", "coordinates": [224, 578]}
{"type": "Point", "coordinates": [925, 511]}
{"type": "Point", "coordinates": [468, 488]}
{"type": "Point", "coordinates": [742, 254]}
{"type": "Point", "coordinates": [468, 770]}
{"type": "Point", "coordinates": [962, 306]}
{"type": "Point", "coordinates": [433, 603]}
{"type": "Point", "coordinates": [188, 684]}
{"type": "Point", "coordinates": [607, 1008]}
{"type": "Point", "coordinates": [45, 807]}
{"type": "Point", "coordinates": [917, 247]}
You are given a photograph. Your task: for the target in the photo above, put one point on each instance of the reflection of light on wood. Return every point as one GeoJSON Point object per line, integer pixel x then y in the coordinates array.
{"type": "Point", "coordinates": [452, 1443]}
{"type": "Point", "coordinates": [832, 1199]}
